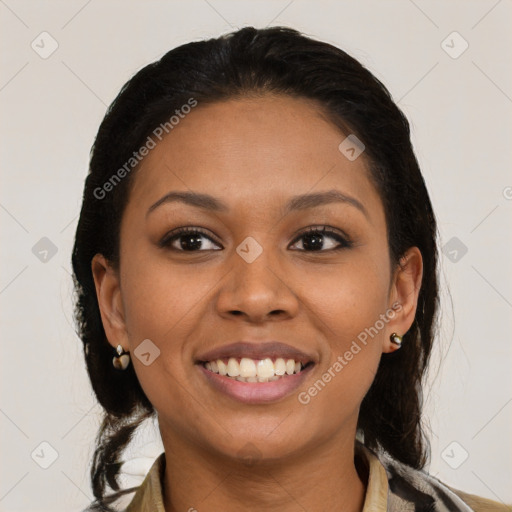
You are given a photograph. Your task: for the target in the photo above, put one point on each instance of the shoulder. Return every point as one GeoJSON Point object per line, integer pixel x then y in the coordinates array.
{"type": "Point", "coordinates": [118, 501]}
{"type": "Point", "coordinates": [479, 504]}
{"type": "Point", "coordinates": [146, 496]}
{"type": "Point", "coordinates": [415, 489]}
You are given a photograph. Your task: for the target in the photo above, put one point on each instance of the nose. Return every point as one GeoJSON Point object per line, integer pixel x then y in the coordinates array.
{"type": "Point", "coordinates": [259, 291]}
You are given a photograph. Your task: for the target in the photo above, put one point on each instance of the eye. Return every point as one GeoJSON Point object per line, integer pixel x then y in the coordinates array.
{"type": "Point", "coordinates": [314, 237]}
{"type": "Point", "coordinates": [191, 239]}
{"type": "Point", "coordinates": [188, 239]}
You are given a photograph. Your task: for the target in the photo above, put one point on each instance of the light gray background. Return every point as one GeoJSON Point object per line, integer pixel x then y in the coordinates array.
{"type": "Point", "coordinates": [459, 109]}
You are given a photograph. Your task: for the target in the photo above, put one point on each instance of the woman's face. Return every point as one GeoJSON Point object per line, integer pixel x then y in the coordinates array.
{"type": "Point", "coordinates": [253, 274]}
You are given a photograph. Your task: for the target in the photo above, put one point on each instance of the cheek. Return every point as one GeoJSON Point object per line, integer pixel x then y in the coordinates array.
{"type": "Point", "coordinates": [346, 307]}
{"type": "Point", "coordinates": [160, 309]}
{"type": "Point", "coordinates": [346, 300]}
{"type": "Point", "coordinates": [163, 304]}
{"type": "Point", "coordinates": [160, 302]}
{"type": "Point", "coordinates": [335, 395]}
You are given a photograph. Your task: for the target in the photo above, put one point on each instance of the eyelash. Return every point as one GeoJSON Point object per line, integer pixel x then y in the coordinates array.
{"type": "Point", "coordinates": [345, 242]}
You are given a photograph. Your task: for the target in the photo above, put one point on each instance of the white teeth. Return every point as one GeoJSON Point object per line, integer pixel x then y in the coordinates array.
{"type": "Point", "coordinates": [233, 367]}
{"type": "Point", "coordinates": [247, 367]}
{"type": "Point", "coordinates": [255, 370]}
{"type": "Point", "coordinates": [280, 366]}
{"type": "Point", "coordinates": [265, 368]}
{"type": "Point", "coordinates": [223, 369]}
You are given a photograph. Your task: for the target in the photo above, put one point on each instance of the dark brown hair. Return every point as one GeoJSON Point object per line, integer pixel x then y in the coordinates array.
{"type": "Point", "coordinates": [273, 60]}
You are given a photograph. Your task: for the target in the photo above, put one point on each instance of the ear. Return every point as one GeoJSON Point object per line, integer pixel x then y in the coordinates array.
{"type": "Point", "coordinates": [108, 292]}
{"type": "Point", "coordinates": [403, 296]}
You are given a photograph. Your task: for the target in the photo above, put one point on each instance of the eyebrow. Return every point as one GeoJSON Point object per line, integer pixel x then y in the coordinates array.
{"type": "Point", "coordinates": [300, 202]}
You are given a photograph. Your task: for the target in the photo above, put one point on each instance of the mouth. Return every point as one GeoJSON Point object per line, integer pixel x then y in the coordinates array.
{"type": "Point", "coordinates": [255, 372]}
{"type": "Point", "coordinates": [245, 369]}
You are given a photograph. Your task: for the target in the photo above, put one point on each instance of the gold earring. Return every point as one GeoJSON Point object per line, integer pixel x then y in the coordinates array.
{"type": "Point", "coordinates": [396, 339]}
{"type": "Point", "coordinates": [122, 360]}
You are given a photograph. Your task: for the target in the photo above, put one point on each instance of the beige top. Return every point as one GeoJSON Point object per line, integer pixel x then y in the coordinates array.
{"type": "Point", "coordinates": [149, 496]}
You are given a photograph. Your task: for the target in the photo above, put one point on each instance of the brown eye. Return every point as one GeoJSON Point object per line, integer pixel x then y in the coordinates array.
{"type": "Point", "coordinates": [313, 239]}
{"type": "Point", "coordinates": [188, 240]}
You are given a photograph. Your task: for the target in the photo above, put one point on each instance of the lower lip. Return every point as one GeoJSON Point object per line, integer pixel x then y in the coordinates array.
{"type": "Point", "coordinates": [256, 392]}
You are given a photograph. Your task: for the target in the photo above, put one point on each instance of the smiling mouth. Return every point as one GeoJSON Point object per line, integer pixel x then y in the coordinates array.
{"type": "Point", "coordinates": [245, 369]}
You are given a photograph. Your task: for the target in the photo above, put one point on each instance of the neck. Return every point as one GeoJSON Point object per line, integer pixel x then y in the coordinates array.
{"type": "Point", "coordinates": [321, 479]}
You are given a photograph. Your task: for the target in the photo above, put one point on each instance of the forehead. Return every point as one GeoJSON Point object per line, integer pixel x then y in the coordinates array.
{"type": "Point", "coordinates": [254, 150]}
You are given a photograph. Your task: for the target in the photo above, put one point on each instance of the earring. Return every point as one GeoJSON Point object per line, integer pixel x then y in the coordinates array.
{"type": "Point", "coordinates": [396, 339]}
{"type": "Point", "coordinates": [122, 360]}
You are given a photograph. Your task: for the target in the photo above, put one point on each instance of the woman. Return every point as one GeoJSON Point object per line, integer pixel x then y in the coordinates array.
{"type": "Point", "coordinates": [256, 264]}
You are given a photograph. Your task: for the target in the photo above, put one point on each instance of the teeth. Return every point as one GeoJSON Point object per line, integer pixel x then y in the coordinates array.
{"type": "Point", "coordinates": [247, 367]}
{"type": "Point", "coordinates": [233, 367]}
{"type": "Point", "coordinates": [223, 369]}
{"type": "Point", "coordinates": [265, 368]}
{"type": "Point", "coordinates": [251, 370]}
{"type": "Point", "coordinates": [280, 366]}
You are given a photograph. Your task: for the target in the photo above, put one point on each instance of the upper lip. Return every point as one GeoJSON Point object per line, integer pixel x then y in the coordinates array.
{"type": "Point", "coordinates": [272, 349]}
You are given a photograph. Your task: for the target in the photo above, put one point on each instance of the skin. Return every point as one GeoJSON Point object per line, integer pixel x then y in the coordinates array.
{"type": "Point", "coordinates": [255, 154]}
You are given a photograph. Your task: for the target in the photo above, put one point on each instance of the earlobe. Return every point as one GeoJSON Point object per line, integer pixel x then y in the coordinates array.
{"type": "Point", "coordinates": [108, 293]}
{"type": "Point", "coordinates": [404, 292]}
